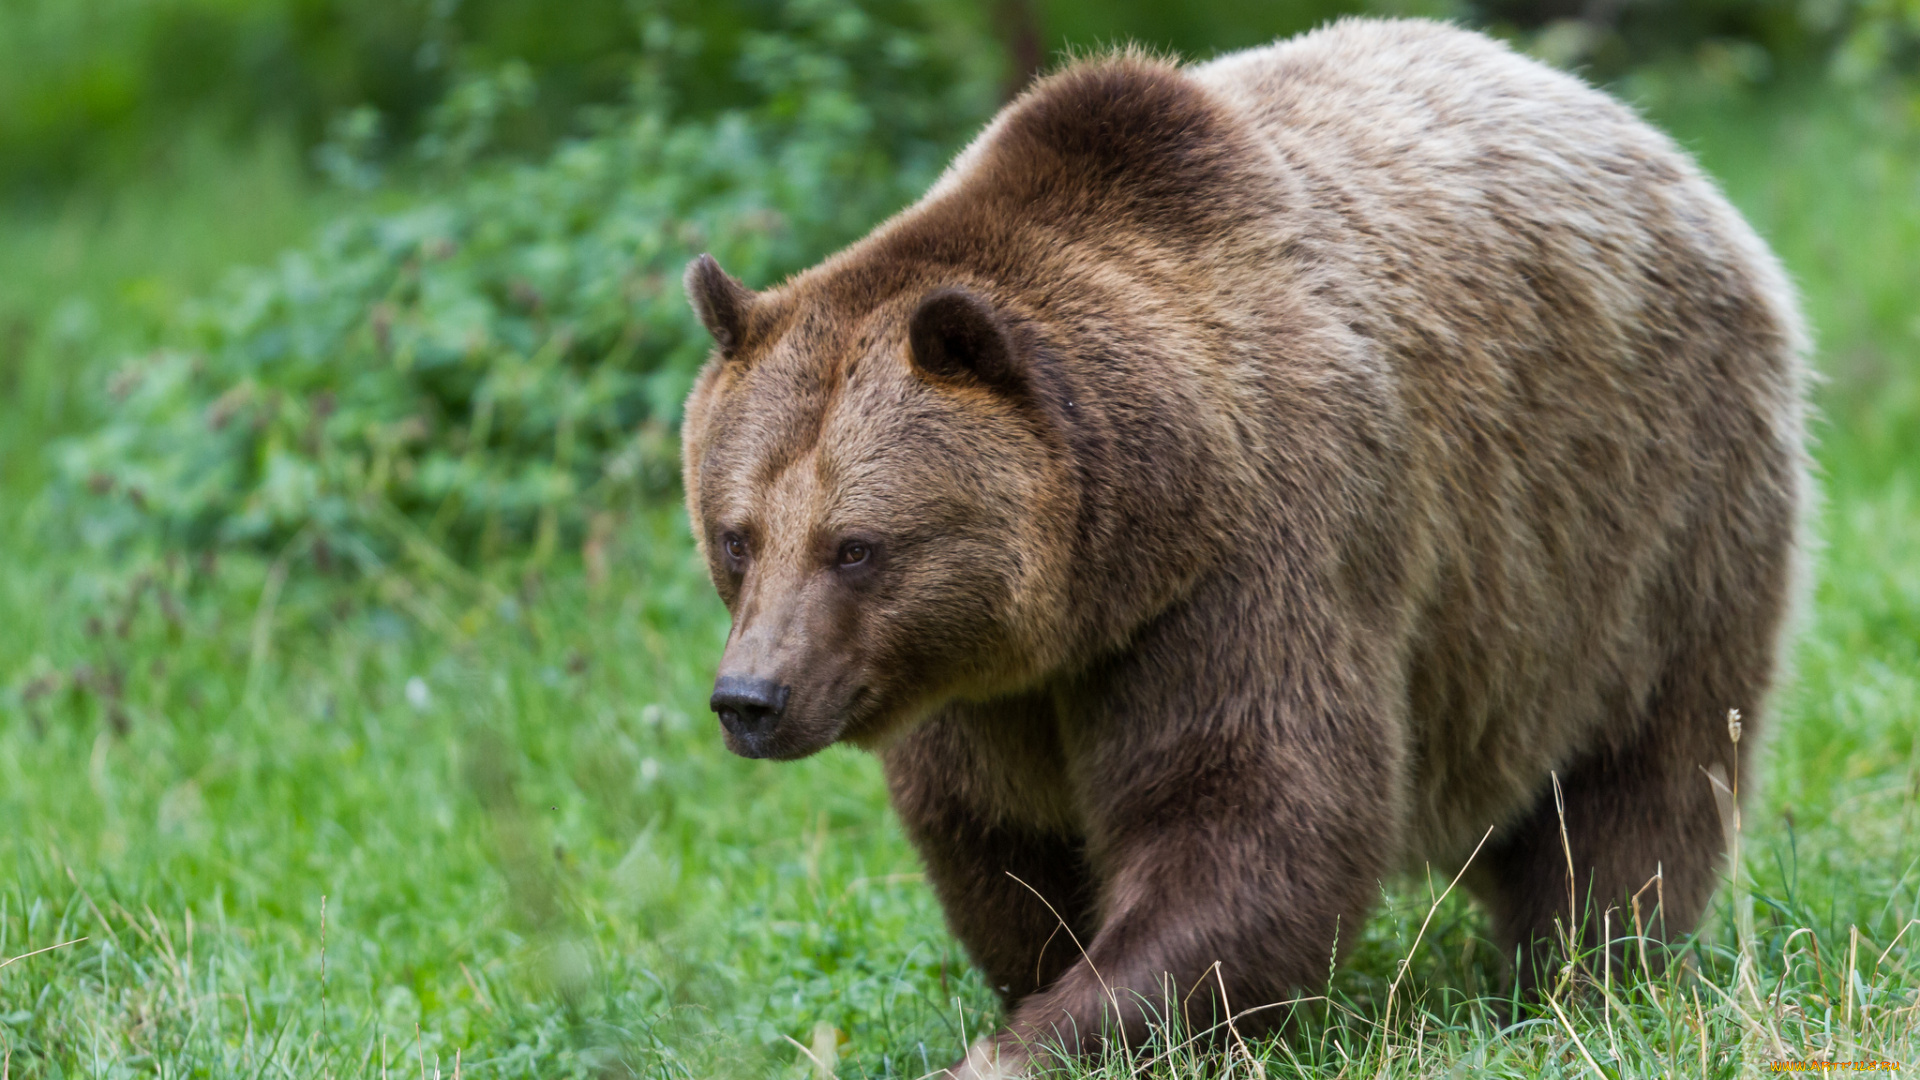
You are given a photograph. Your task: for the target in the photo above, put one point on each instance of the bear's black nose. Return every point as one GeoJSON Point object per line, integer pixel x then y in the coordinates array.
{"type": "Point", "coordinates": [748, 706]}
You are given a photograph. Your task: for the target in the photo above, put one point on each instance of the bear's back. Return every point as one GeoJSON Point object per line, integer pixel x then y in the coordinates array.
{"type": "Point", "coordinates": [1432, 151]}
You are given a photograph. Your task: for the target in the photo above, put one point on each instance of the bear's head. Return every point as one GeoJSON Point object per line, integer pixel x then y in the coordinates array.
{"type": "Point", "coordinates": [960, 456]}
{"type": "Point", "coordinates": [876, 479]}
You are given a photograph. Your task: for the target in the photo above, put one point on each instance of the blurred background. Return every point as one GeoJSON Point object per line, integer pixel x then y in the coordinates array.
{"type": "Point", "coordinates": [352, 654]}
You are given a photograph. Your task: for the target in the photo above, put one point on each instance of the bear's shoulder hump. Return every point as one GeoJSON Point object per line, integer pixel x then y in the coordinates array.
{"type": "Point", "coordinates": [1125, 117]}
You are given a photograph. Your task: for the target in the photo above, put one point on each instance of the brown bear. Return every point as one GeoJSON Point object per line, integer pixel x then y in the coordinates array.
{"type": "Point", "coordinates": [1232, 484]}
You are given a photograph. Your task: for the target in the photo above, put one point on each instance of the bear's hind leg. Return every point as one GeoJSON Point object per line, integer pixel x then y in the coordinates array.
{"type": "Point", "coordinates": [1641, 819]}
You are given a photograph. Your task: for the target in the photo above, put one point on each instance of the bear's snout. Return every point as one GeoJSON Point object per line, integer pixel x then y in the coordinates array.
{"type": "Point", "coordinates": [749, 708]}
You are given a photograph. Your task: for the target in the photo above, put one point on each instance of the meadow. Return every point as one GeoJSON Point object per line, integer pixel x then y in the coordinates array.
{"type": "Point", "coordinates": [480, 823]}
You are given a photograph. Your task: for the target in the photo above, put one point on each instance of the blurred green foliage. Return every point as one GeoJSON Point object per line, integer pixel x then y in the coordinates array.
{"type": "Point", "coordinates": [93, 86]}
{"type": "Point", "coordinates": [1192, 29]}
{"type": "Point", "coordinates": [1744, 41]}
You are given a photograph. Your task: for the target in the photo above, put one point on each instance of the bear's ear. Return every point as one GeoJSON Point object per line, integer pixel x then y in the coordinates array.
{"type": "Point", "coordinates": [721, 302]}
{"type": "Point", "coordinates": [953, 334]}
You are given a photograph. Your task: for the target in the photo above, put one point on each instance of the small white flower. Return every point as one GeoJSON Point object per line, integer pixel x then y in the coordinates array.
{"type": "Point", "coordinates": [649, 771]}
{"type": "Point", "coordinates": [418, 695]}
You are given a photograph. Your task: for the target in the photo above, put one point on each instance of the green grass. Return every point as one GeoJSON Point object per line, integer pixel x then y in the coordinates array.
{"type": "Point", "coordinates": [532, 851]}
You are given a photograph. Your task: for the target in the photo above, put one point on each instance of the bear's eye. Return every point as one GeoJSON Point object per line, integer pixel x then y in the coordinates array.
{"type": "Point", "coordinates": [854, 552]}
{"type": "Point", "coordinates": [735, 546]}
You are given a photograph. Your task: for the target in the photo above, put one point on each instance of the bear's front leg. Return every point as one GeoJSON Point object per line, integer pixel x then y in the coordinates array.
{"type": "Point", "coordinates": [982, 791]}
{"type": "Point", "coordinates": [1238, 773]}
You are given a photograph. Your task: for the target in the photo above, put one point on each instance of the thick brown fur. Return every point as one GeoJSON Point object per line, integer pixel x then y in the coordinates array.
{"type": "Point", "coordinates": [1234, 484]}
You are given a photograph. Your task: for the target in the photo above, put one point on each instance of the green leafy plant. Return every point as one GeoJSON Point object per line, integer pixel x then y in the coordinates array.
{"type": "Point", "coordinates": [1736, 43]}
